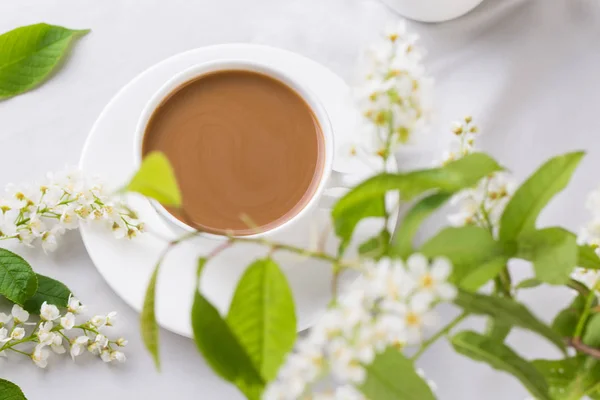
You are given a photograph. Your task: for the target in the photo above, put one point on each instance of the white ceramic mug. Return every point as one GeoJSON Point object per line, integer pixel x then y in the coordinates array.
{"type": "Point", "coordinates": [329, 177]}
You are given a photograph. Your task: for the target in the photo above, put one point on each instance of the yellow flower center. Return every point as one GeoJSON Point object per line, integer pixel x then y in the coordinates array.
{"type": "Point", "coordinates": [413, 319]}
{"type": "Point", "coordinates": [427, 281]}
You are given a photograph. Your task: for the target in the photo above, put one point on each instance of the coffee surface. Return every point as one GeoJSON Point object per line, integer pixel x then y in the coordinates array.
{"type": "Point", "coordinates": [241, 143]}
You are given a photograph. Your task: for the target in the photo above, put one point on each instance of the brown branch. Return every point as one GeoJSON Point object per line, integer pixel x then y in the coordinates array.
{"type": "Point", "coordinates": [577, 344]}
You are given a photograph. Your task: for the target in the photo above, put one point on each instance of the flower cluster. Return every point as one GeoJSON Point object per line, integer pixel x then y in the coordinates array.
{"type": "Point", "coordinates": [51, 332]}
{"type": "Point", "coordinates": [396, 96]}
{"type": "Point", "coordinates": [44, 212]}
{"type": "Point", "coordinates": [484, 204]}
{"type": "Point", "coordinates": [590, 235]}
{"type": "Point", "coordinates": [390, 306]}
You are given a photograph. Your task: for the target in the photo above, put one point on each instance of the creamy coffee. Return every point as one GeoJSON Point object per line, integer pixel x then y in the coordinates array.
{"type": "Point", "coordinates": [241, 143]}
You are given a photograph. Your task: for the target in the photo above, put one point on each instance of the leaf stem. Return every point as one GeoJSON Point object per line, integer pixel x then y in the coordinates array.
{"type": "Point", "coordinates": [438, 335]}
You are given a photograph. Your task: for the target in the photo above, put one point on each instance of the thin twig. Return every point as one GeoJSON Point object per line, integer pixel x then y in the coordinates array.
{"type": "Point", "coordinates": [577, 344]}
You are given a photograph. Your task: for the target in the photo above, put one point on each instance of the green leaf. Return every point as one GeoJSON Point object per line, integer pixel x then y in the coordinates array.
{"type": "Point", "coordinates": [148, 324]}
{"type": "Point", "coordinates": [30, 53]}
{"type": "Point", "coordinates": [345, 223]}
{"type": "Point", "coordinates": [10, 391]}
{"type": "Point", "coordinates": [18, 282]}
{"type": "Point", "coordinates": [483, 274]}
{"type": "Point", "coordinates": [392, 376]}
{"type": "Point", "coordinates": [503, 358]}
{"type": "Point", "coordinates": [156, 179]}
{"type": "Point", "coordinates": [222, 350]}
{"type": "Point", "coordinates": [263, 317]}
{"type": "Point", "coordinates": [366, 199]}
{"type": "Point", "coordinates": [468, 248]}
{"type": "Point", "coordinates": [521, 212]}
{"type": "Point", "coordinates": [587, 258]}
{"type": "Point", "coordinates": [565, 322]}
{"type": "Point", "coordinates": [403, 244]}
{"type": "Point", "coordinates": [528, 283]}
{"type": "Point", "coordinates": [49, 290]}
{"type": "Point", "coordinates": [591, 336]}
{"type": "Point", "coordinates": [587, 381]}
{"type": "Point", "coordinates": [553, 252]}
{"type": "Point", "coordinates": [508, 311]}
{"type": "Point", "coordinates": [558, 373]}
{"type": "Point", "coordinates": [376, 247]}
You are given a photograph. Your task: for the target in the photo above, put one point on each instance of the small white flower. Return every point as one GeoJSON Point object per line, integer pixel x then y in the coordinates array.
{"type": "Point", "coordinates": [69, 219]}
{"type": "Point", "coordinates": [18, 333]}
{"type": "Point", "coordinates": [3, 335]}
{"type": "Point", "coordinates": [5, 319]}
{"type": "Point", "coordinates": [121, 342]}
{"type": "Point", "coordinates": [105, 356]}
{"type": "Point", "coordinates": [77, 345]}
{"type": "Point", "coordinates": [25, 237]}
{"type": "Point", "coordinates": [74, 306]}
{"type": "Point", "coordinates": [68, 321]}
{"type": "Point", "coordinates": [111, 318]}
{"type": "Point", "coordinates": [40, 356]}
{"type": "Point", "coordinates": [49, 312]}
{"type": "Point", "coordinates": [94, 348]}
{"type": "Point", "coordinates": [417, 316]}
{"type": "Point", "coordinates": [118, 356]}
{"type": "Point", "coordinates": [99, 321]}
{"type": "Point", "coordinates": [50, 238]}
{"type": "Point", "coordinates": [7, 225]}
{"type": "Point", "coordinates": [56, 345]}
{"type": "Point", "coordinates": [45, 334]}
{"type": "Point", "coordinates": [36, 225]}
{"type": "Point", "coordinates": [101, 340]}
{"type": "Point", "coordinates": [432, 281]}
{"type": "Point", "coordinates": [20, 316]}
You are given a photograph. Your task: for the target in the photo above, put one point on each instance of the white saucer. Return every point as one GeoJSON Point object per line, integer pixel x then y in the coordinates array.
{"type": "Point", "coordinates": [127, 265]}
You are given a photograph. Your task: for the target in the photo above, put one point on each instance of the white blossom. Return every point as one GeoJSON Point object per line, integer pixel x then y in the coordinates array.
{"type": "Point", "coordinates": [121, 342]}
{"type": "Point", "coordinates": [77, 345]}
{"type": "Point", "coordinates": [45, 334]}
{"type": "Point", "coordinates": [68, 321]}
{"type": "Point", "coordinates": [118, 356]}
{"type": "Point", "coordinates": [101, 341]}
{"type": "Point", "coordinates": [590, 235]}
{"type": "Point", "coordinates": [42, 213]}
{"type": "Point", "coordinates": [105, 355]}
{"type": "Point", "coordinates": [49, 312]}
{"type": "Point", "coordinates": [5, 319]}
{"type": "Point", "coordinates": [99, 321]}
{"type": "Point", "coordinates": [390, 305]}
{"type": "Point", "coordinates": [56, 345]}
{"type": "Point", "coordinates": [396, 96]}
{"type": "Point", "coordinates": [19, 314]}
{"type": "Point", "coordinates": [17, 333]}
{"type": "Point", "coordinates": [4, 335]}
{"type": "Point", "coordinates": [40, 356]}
{"type": "Point", "coordinates": [74, 306]}
{"type": "Point", "coordinates": [111, 318]}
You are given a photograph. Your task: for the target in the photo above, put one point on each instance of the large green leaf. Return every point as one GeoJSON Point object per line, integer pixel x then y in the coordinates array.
{"type": "Point", "coordinates": [29, 54]}
{"type": "Point", "coordinates": [468, 248]}
{"type": "Point", "coordinates": [392, 376]}
{"type": "Point", "coordinates": [156, 179]}
{"type": "Point", "coordinates": [18, 282]}
{"type": "Point", "coordinates": [521, 212]}
{"type": "Point", "coordinates": [10, 391]}
{"type": "Point", "coordinates": [503, 358]}
{"type": "Point", "coordinates": [403, 243]}
{"type": "Point", "coordinates": [558, 373]}
{"type": "Point", "coordinates": [148, 324]}
{"type": "Point", "coordinates": [587, 258]}
{"type": "Point", "coordinates": [49, 290]}
{"type": "Point", "coordinates": [507, 311]}
{"type": "Point", "coordinates": [553, 252]}
{"type": "Point", "coordinates": [262, 316]}
{"type": "Point", "coordinates": [366, 199]}
{"type": "Point", "coordinates": [587, 381]}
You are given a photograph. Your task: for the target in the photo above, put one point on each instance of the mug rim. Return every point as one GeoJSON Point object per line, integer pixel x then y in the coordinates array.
{"type": "Point", "coordinates": [198, 71]}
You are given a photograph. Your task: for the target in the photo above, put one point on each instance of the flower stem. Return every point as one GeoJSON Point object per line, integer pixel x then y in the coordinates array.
{"type": "Point", "coordinates": [438, 335]}
{"type": "Point", "coordinates": [18, 351]}
{"type": "Point", "coordinates": [586, 313]}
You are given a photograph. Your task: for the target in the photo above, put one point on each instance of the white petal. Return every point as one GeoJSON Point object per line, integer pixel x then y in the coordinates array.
{"type": "Point", "coordinates": [441, 268]}
{"type": "Point", "coordinates": [446, 291]}
{"type": "Point", "coordinates": [417, 264]}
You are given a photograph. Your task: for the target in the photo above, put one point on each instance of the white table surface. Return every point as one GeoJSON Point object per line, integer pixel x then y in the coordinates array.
{"type": "Point", "coordinates": [528, 70]}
